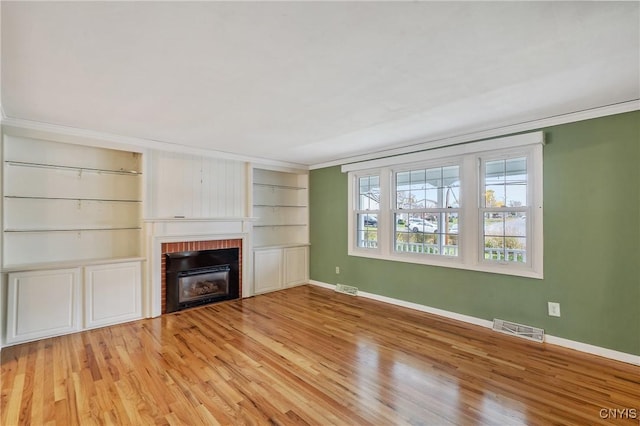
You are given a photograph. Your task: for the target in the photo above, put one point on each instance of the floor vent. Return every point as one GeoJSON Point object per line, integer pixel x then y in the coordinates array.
{"type": "Point", "coordinates": [346, 289]}
{"type": "Point", "coordinates": [526, 331]}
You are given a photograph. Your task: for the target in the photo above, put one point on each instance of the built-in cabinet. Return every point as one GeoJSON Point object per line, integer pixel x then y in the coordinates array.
{"type": "Point", "coordinates": [267, 266]}
{"type": "Point", "coordinates": [46, 303]}
{"type": "Point", "coordinates": [72, 236]}
{"type": "Point", "coordinates": [112, 293]}
{"type": "Point", "coordinates": [296, 265]}
{"type": "Point", "coordinates": [42, 304]}
{"type": "Point", "coordinates": [281, 228]}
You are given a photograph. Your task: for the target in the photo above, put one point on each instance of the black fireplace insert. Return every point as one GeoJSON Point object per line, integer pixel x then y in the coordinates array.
{"type": "Point", "coordinates": [200, 277]}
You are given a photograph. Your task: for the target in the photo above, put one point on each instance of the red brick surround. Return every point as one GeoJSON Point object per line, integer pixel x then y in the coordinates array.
{"type": "Point", "coordinates": [193, 246]}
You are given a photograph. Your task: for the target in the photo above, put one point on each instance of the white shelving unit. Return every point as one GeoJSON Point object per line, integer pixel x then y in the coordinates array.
{"type": "Point", "coordinates": [67, 203]}
{"type": "Point", "coordinates": [72, 234]}
{"type": "Point", "coordinates": [281, 228]}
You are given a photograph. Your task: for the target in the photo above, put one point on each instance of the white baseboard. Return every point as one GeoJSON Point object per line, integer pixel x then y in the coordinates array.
{"type": "Point", "coordinates": [553, 340]}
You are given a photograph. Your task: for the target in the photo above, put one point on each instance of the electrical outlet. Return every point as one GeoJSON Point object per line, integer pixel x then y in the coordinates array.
{"type": "Point", "coordinates": [554, 309]}
{"type": "Point", "coordinates": [337, 270]}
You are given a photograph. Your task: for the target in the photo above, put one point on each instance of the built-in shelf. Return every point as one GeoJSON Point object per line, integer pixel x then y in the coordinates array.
{"type": "Point", "coordinates": [279, 205]}
{"type": "Point", "coordinates": [66, 203]}
{"type": "Point", "coordinates": [74, 229]}
{"type": "Point", "coordinates": [72, 264]}
{"type": "Point", "coordinates": [78, 169]}
{"type": "Point", "coordinates": [279, 246]}
{"type": "Point", "coordinates": [269, 185]}
{"type": "Point", "coordinates": [279, 225]}
{"type": "Point", "coordinates": [106, 200]}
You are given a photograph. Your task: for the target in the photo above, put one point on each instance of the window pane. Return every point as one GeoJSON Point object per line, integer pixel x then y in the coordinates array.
{"type": "Point", "coordinates": [506, 183]}
{"type": "Point", "coordinates": [516, 195]}
{"type": "Point", "coordinates": [431, 198]}
{"type": "Point", "coordinates": [448, 233]}
{"type": "Point", "coordinates": [403, 199]}
{"type": "Point", "coordinates": [369, 193]}
{"type": "Point", "coordinates": [494, 196]}
{"type": "Point", "coordinates": [505, 236]}
{"type": "Point", "coordinates": [428, 188]}
{"type": "Point", "coordinates": [367, 230]}
{"type": "Point", "coordinates": [420, 233]}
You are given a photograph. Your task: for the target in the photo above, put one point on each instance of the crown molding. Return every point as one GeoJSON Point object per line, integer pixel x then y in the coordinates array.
{"type": "Point", "coordinates": [619, 108]}
{"type": "Point", "coordinates": [74, 135]}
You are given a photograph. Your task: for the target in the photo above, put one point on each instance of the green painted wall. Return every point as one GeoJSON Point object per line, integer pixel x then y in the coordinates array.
{"type": "Point", "coordinates": [591, 244]}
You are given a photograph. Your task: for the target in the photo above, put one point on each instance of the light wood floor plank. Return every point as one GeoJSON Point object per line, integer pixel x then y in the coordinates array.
{"type": "Point", "coordinates": [308, 356]}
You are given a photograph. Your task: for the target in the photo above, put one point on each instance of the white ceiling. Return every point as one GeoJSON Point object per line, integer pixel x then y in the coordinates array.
{"type": "Point", "coordinates": [313, 82]}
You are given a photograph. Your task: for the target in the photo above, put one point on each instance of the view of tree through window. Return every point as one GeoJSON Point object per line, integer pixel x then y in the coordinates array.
{"type": "Point", "coordinates": [426, 210]}
{"type": "Point", "coordinates": [505, 210]}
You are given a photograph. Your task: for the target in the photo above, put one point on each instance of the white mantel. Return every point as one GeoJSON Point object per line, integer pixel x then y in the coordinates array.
{"type": "Point", "coordinates": [171, 230]}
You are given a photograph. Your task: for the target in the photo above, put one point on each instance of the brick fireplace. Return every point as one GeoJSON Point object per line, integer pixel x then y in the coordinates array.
{"type": "Point", "coordinates": [182, 246]}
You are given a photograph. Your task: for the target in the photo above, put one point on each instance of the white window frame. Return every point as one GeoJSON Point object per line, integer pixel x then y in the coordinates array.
{"type": "Point", "coordinates": [354, 193]}
{"type": "Point", "coordinates": [470, 157]}
{"type": "Point", "coordinates": [394, 210]}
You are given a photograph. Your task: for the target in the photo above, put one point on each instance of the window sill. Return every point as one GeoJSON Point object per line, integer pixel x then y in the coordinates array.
{"type": "Point", "coordinates": [452, 262]}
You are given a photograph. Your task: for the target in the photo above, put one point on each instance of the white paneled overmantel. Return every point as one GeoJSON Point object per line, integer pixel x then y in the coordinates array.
{"type": "Point", "coordinates": [194, 186]}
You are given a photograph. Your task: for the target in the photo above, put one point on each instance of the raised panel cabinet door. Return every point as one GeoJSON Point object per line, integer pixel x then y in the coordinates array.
{"type": "Point", "coordinates": [267, 270]}
{"type": "Point", "coordinates": [42, 304]}
{"type": "Point", "coordinates": [296, 265]}
{"type": "Point", "coordinates": [112, 293]}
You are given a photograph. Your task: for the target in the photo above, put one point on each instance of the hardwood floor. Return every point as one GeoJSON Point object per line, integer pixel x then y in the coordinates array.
{"type": "Point", "coordinates": [308, 355]}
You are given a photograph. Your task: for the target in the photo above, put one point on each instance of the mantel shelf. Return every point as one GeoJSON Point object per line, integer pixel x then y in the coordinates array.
{"type": "Point", "coordinates": [74, 168]}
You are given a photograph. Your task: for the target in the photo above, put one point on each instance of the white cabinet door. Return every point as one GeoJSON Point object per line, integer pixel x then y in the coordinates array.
{"type": "Point", "coordinates": [267, 270]}
{"type": "Point", "coordinates": [42, 304]}
{"type": "Point", "coordinates": [296, 265]}
{"type": "Point", "coordinates": [112, 293]}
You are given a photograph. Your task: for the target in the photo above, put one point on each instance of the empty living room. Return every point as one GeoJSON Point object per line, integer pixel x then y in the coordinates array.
{"type": "Point", "coordinates": [320, 213]}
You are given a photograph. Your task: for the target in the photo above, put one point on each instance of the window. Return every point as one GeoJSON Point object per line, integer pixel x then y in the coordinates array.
{"type": "Point", "coordinates": [426, 210]}
{"type": "Point", "coordinates": [504, 208]}
{"type": "Point", "coordinates": [368, 206]}
{"type": "Point", "coordinates": [474, 206]}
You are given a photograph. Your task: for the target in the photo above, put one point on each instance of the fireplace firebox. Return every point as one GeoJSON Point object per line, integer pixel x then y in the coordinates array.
{"type": "Point", "coordinates": [197, 278]}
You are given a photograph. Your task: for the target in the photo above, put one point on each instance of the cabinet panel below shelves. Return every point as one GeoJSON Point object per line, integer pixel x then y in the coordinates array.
{"type": "Point", "coordinates": [267, 270]}
{"type": "Point", "coordinates": [296, 265]}
{"type": "Point", "coordinates": [112, 293]}
{"type": "Point", "coordinates": [42, 304]}
{"type": "Point", "coordinates": [56, 246]}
